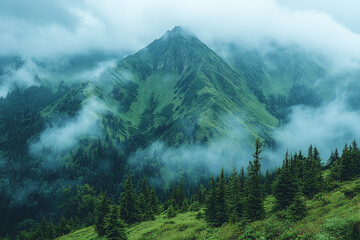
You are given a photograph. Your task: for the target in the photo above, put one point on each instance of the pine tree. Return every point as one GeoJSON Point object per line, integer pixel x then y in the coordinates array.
{"type": "Point", "coordinates": [285, 186]}
{"type": "Point", "coordinates": [354, 155]}
{"type": "Point", "coordinates": [63, 227]}
{"type": "Point", "coordinates": [300, 163]}
{"type": "Point", "coordinates": [242, 179]}
{"type": "Point", "coordinates": [101, 210]}
{"type": "Point", "coordinates": [235, 198]}
{"type": "Point", "coordinates": [115, 227]}
{"type": "Point", "coordinates": [210, 203]}
{"type": "Point", "coordinates": [221, 208]}
{"type": "Point", "coordinates": [129, 209]}
{"type": "Point", "coordinates": [185, 206]}
{"type": "Point", "coordinates": [312, 178]}
{"type": "Point", "coordinates": [297, 209]}
{"type": "Point", "coordinates": [145, 208]}
{"type": "Point", "coordinates": [171, 211]}
{"type": "Point", "coordinates": [254, 188]}
{"type": "Point", "coordinates": [201, 194]}
{"type": "Point", "coordinates": [267, 182]}
{"type": "Point", "coordinates": [154, 201]}
{"type": "Point", "coordinates": [333, 159]}
{"type": "Point", "coordinates": [44, 229]}
{"type": "Point", "coordinates": [181, 196]}
{"type": "Point", "coordinates": [356, 158]}
{"type": "Point", "coordinates": [51, 230]}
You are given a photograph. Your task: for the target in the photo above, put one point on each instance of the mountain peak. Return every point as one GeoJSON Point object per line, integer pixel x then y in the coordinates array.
{"type": "Point", "coordinates": [178, 31]}
{"type": "Point", "coordinates": [175, 51]}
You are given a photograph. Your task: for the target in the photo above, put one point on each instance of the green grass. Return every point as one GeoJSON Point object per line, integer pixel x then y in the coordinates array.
{"type": "Point", "coordinates": [331, 215]}
{"type": "Point", "coordinates": [184, 226]}
{"type": "Point", "coordinates": [85, 233]}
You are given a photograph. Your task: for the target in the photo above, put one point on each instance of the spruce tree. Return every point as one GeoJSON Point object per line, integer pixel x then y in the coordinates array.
{"type": "Point", "coordinates": [356, 158]}
{"type": "Point", "coordinates": [185, 206]}
{"type": "Point", "coordinates": [312, 175]}
{"type": "Point", "coordinates": [354, 155]}
{"type": "Point", "coordinates": [171, 211]}
{"type": "Point", "coordinates": [254, 188]}
{"type": "Point", "coordinates": [210, 203]}
{"type": "Point", "coordinates": [115, 227]}
{"type": "Point", "coordinates": [129, 209]}
{"type": "Point", "coordinates": [63, 227]}
{"type": "Point", "coordinates": [285, 186]}
{"type": "Point", "coordinates": [201, 194]}
{"type": "Point", "coordinates": [267, 183]}
{"type": "Point", "coordinates": [44, 229]}
{"type": "Point", "coordinates": [154, 201]}
{"type": "Point", "coordinates": [101, 210]}
{"type": "Point", "coordinates": [242, 179]}
{"type": "Point", "coordinates": [300, 163]}
{"type": "Point", "coordinates": [235, 198]}
{"type": "Point", "coordinates": [297, 209]}
{"type": "Point", "coordinates": [333, 159]}
{"type": "Point", "coordinates": [51, 230]}
{"type": "Point", "coordinates": [145, 207]}
{"type": "Point", "coordinates": [181, 196]}
{"type": "Point", "coordinates": [221, 208]}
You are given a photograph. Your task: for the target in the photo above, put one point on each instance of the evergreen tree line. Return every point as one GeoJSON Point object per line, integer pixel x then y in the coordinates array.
{"type": "Point", "coordinates": [48, 230]}
{"type": "Point", "coordinates": [111, 219]}
{"type": "Point", "coordinates": [238, 197]}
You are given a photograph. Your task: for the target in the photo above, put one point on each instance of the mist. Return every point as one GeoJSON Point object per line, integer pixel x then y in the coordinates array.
{"type": "Point", "coordinates": [327, 127]}
{"type": "Point", "coordinates": [71, 28]}
{"type": "Point", "coordinates": [189, 162]}
{"type": "Point", "coordinates": [327, 28]}
{"type": "Point", "coordinates": [63, 135]}
{"type": "Point", "coordinates": [22, 77]}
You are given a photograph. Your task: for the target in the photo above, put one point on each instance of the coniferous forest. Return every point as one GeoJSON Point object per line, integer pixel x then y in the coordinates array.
{"type": "Point", "coordinates": [179, 119]}
{"type": "Point", "coordinates": [235, 197]}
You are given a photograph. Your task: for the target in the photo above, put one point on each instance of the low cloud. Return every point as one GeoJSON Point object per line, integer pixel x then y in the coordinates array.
{"type": "Point", "coordinates": [98, 71]}
{"type": "Point", "coordinates": [64, 135]}
{"type": "Point", "coordinates": [190, 162]}
{"type": "Point", "coordinates": [23, 77]}
{"type": "Point", "coordinates": [327, 127]}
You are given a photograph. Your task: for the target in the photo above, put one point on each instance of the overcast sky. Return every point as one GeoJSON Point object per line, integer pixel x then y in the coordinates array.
{"type": "Point", "coordinates": [47, 28]}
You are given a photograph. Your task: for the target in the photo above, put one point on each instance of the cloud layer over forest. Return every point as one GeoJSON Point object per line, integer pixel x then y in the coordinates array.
{"type": "Point", "coordinates": [46, 28]}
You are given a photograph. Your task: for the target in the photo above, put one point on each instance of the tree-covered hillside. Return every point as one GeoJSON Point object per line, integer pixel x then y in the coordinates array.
{"type": "Point", "coordinates": [144, 134]}
{"type": "Point", "coordinates": [303, 199]}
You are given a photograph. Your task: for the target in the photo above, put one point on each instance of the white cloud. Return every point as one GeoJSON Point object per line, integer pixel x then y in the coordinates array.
{"type": "Point", "coordinates": [96, 72]}
{"type": "Point", "coordinates": [327, 127]}
{"type": "Point", "coordinates": [344, 12]}
{"type": "Point", "coordinates": [62, 137]}
{"type": "Point", "coordinates": [114, 25]}
{"type": "Point", "coordinates": [23, 77]}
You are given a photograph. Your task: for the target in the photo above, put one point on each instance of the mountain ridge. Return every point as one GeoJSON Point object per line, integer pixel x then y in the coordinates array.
{"type": "Point", "coordinates": [191, 74]}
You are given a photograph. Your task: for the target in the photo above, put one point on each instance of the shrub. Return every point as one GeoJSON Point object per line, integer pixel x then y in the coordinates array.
{"type": "Point", "coordinates": [340, 228]}
{"type": "Point", "coordinates": [351, 192]}
{"type": "Point", "coordinates": [251, 234]}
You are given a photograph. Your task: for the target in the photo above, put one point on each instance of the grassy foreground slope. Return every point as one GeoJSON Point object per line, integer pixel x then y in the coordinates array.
{"type": "Point", "coordinates": [332, 215]}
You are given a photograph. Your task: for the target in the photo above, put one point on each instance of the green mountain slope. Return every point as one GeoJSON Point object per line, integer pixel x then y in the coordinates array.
{"type": "Point", "coordinates": [283, 76]}
{"type": "Point", "coordinates": [176, 90]}
{"type": "Point", "coordinates": [332, 215]}
{"type": "Point", "coordinates": [177, 81]}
